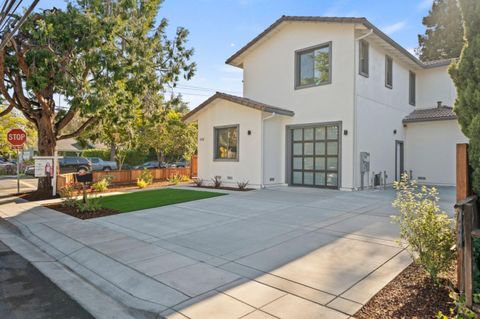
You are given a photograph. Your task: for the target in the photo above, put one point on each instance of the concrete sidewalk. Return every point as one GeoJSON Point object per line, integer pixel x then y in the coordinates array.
{"type": "Point", "coordinates": [276, 253]}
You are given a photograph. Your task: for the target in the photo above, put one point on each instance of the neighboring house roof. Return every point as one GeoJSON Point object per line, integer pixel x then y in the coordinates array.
{"type": "Point", "coordinates": [241, 101]}
{"type": "Point", "coordinates": [232, 60]}
{"type": "Point", "coordinates": [434, 114]}
{"type": "Point", "coordinates": [72, 145]}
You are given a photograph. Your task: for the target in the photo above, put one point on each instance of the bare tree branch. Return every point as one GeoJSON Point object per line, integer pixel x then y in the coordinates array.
{"type": "Point", "coordinates": [80, 130]}
{"type": "Point", "coordinates": [7, 110]}
{"type": "Point", "coordinates": [72, 112]}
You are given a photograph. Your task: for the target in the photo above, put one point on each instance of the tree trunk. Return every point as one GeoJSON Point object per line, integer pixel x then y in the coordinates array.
{"type": "Point", "coordinates": [113, 151]}
{"type": "Point", "coordinates": [46, 147]}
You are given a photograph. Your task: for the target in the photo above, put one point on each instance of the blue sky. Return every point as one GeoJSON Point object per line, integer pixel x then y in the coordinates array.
{"type": "Point", "coordinates": [218, 28]}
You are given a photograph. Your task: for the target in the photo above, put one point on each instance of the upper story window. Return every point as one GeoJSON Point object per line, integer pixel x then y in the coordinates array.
{"type": "Point", "coordinates": [411, 88]}
{"type": "Point", "coordinates": [388, 72]}
{"type": "Point", "coordinates": [363, 54]}
{"type": "Point", "coordinates": [226, 143]}
{"type": "Point", "coordinates": [313, 66]}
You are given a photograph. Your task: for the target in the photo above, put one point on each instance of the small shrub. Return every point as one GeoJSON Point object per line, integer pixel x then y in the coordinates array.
{"type": "Point", "coordinates": [426, 231]}
{"type": "Point", "coordinates": [242, 185]}
{"type": "Point", "coordinates": [184, 178]}
{"type": "Point", "coordinates": [102, 185]}
{"type": "Point", "coordinates": [90, 205]}
{"type": "Point", "coordinates": [175, 179]}
{"type": "Point", "coordinates": [198, 182]}
{"type": "Point", "coordinates": [67, 193]}
{"type": "Point", "coordinates": [217, 182]}
{"type": "Point", "coordinates": [145, 179]}
{"type": "Point", "coordinates": [460, 311]}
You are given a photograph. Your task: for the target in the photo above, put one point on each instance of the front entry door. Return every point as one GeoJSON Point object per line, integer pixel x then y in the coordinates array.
{"type": "Point", "coordinates": [315, 156]}
{"type": "Point", "coordinates": [399, 160]}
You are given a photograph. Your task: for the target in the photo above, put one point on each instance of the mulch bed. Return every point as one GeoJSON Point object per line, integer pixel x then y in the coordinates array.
{"type": "Point", "coordinates": [36, 196]}
{"type": "Point", "coordinates": [226, 188]}
{"type": "Point", "coordinates": [411, 295]}
{"type": "Point", "coordinates": [73, 211]}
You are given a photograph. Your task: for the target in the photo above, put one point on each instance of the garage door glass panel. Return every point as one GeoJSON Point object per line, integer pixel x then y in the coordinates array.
{"type": "Point", "coordinates": [332, 132]}
{"type": "Point", "coordinates": [297, 163]}
{"type": "Point", "coordinates": [297, 149]}
{"type": "Point", "coordinates": [320, 179]}
{"type": "Point", "coordinates": [319, 163]}
{"type": "Point", "coordinates": [308, 163]}
{"type": "Point", "coordinates": [308, 134]}
{"type": "Point", "coordinates": [308, 178]}
{"type": "Point", "coordinates": [297, 178]}
{"type": "Point", "coordinates": [308, 149]}
{"type": "Point", "coordinates": [332, 179]}
{"type": "Point", "coordinates": [320, 133]}
{"type": "Point", "coordinates": [332, 163]}
{"type": "Point", "coordinates": [320, 148]}
{"type": "Point", "coordinates": [332, 148]}
{"type": "Point", "coordinates": [297, 135]}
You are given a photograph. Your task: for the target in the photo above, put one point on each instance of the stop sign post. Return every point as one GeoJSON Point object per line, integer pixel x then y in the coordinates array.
{"type": "Point", "coordinates": [17, 137]}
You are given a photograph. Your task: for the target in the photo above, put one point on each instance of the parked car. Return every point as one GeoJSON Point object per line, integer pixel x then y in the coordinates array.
{"type": "Point", "coordinates": [181, 163]}
{"type": "Point", "coordinates": [70, 164]}
{"type": "Point", "coordinates": [148, 165]}
{"type": "Point", "coordinates": [30, 170]}
{"type": "Point", "coordinates": [7, 167]}
{"type": "Point", "coordinates": [99, 164]}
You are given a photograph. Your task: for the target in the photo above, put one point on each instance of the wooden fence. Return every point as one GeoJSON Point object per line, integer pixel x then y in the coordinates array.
{"type": "Point", "coordinates": [125, 177]}
{"type": "Point", "coordinates": [468, 227]}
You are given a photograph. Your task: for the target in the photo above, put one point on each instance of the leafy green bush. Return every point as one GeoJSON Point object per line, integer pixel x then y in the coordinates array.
{"type": "Point", "coordinates": [67, 193]}
{"type": "Point", "coordinates": [103, 154]}
{"type": "Point", "coordinates": [92, 204]}
{"type": "Point", "coordinates": [175, 179]}
{"type": "Point", "coordinates": [460, 311]}
{"type": "Point", "coordinates": [145, 179]}
{"type": "Point", "coordinates": [425, 231]}
{"type": "Point", "coordinates": [102, 185]}
{"type": "Point", "coordinates": [135, 157]}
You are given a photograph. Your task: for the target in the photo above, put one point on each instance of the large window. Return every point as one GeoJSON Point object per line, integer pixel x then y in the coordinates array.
{"type": "Point", "coordinates": [313, 66]}
{"type": "Point", "coordinates": [226, 143]}
{"type": "Point", "coordinates": [411, 90]}
{"type": "Point", "coordinates": [363, 57]}
{"type": "Point", "coordinates": [388, 72]}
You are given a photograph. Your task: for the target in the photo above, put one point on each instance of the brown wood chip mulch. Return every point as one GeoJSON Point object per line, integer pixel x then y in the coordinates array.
{"type": "Point", "coordinates": [72, 211]}
{"type": "Point", "coordinates": [411, 295]}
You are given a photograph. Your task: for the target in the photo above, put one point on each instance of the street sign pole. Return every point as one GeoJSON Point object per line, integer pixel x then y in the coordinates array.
{"type": "Point", "coordinates": [18, 173]}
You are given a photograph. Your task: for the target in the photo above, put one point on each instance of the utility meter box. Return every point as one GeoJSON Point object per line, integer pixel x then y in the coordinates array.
{"type": "Point", "coordinates": [364, 162]}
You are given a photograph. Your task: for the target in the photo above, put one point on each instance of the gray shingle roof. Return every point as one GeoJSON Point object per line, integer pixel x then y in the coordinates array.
{"type": "Point", "coordinates": [242, 101]}
{"type": "Point", "coordinates": [434, 114]}
{"type": "Point", "coordinates": [361, 20]}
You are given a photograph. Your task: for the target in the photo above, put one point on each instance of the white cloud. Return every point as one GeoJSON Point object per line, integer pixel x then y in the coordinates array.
{"type": "Point", "coordinates": [392, 28]}
{"type": "Point", "coordinates": [424, 5]}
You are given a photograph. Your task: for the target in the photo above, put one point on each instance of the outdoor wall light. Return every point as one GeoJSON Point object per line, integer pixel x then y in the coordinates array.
{"type": "Point", "coordinates": [249, 132]}
{"type": "Point", "coordinates": [345, 132]}
{"type": "Point", "coordinates": [394, 132]}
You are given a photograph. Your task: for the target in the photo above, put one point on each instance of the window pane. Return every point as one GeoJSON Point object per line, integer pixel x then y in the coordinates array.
{"type": "Point", "coordinates": [332, 179]}
{"type": "Point", "coordinates": [297, 177]}
{"type": "Point", "coordinates": [320, 133]}
{"type": "Point", "coordinates": [308, 178]}
{"type": "Point", "coordinates": [322, 65]}
{"type": "Point", "coordinates": [308, 149]}
{"type": "Point", "coordinates": [332, 132]}
{"type": "Point", "coordinates": [320, 148]}
{"type": "Point", "coordinates": [308, 134]}
{"type": "Point", "coordinates": [332, 148]}
{"type": "Point", "coordinates": [314, 66]}
{"type": "Point", "coordinates": [308, 163]}
{"type": "Point", "coordinates": [412, 88]}
{"type": "Point", "coordinates": [307, 65]}
{"type": "Point", "coordinates": [388, 71]}
{"type": "Point", "coordinates": [363, 57]}
{"type": "Point", "coordinates": [297, 163]}
{"type": "Point", "coordinates": [320, 179]}
{"type": "Point", "coordinates": [332, 163]}
{"type": "Point", "coordinates": [297, 149]}
{"type": "Point", "coordinates": [297, 134]}
{"type": "Point", "coordinates": [320, 163]}
{"type": "Point", "coordinates": [226, 143]}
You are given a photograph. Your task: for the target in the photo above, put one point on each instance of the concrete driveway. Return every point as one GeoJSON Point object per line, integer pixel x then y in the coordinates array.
{"type": "Point", "coordinates": [276, 253]}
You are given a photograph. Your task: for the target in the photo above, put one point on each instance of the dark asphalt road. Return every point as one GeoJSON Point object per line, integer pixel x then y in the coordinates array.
{"type": "Point", "coordinates": [25, 293]}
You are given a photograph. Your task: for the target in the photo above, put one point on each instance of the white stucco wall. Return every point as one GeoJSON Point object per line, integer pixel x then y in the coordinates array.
{"type": "Point", "coordinates": [435, 85]}
{"type": "Point", "coordinates": [247, 168]}
{"type": "Point", "coordinates": [430, 151]}
{"type": "Point", "coordinates": [269, 78]}
{"type": "Point", "coordinates": [380, 111]}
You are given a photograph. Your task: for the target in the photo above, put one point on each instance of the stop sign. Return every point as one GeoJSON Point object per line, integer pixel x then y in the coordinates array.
{"type": "Point", "coordinates": [16, 137]}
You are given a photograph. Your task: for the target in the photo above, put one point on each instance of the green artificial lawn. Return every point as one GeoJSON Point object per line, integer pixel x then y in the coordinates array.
{"type": "Point", "coordinates": [154, 198]}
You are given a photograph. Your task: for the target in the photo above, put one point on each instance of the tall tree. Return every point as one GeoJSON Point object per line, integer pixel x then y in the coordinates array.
{"type": "Point", "coordinates": [104, 57]}
{"type": "Point", "coordinates": [466, 76]}
{"type": "Point", "coordinates": [443, 38]}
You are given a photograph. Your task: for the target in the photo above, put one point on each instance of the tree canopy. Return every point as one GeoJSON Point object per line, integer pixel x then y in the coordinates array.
{"type": "Point", "coordinates": [443, 38]}
{"type": "Point", "coordinates": [466, 76]}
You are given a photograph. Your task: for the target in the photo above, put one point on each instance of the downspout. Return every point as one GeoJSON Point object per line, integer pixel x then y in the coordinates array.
{"type": "Point", "coordinates": [355, 95]}
{"type": "Point", "coordinates": [262, 164]}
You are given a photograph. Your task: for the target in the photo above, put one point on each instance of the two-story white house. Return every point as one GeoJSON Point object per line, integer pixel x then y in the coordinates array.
{"type": "Point", "coordinates": [329, 102]}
